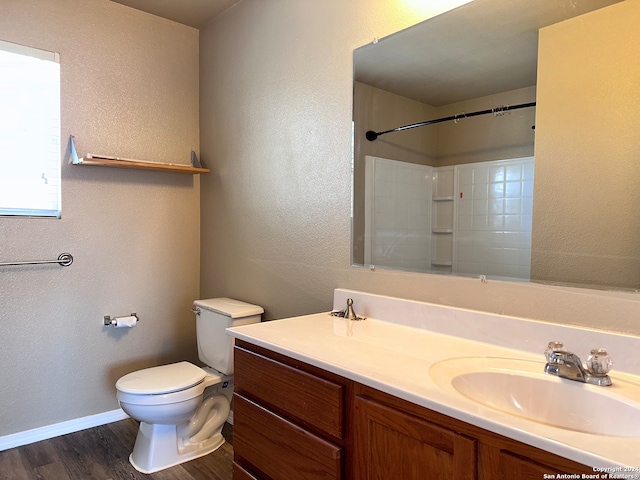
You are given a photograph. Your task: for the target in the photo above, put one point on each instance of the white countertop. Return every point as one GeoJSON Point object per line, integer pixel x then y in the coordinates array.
{"type": "Point", "coordinates": [396, 359]}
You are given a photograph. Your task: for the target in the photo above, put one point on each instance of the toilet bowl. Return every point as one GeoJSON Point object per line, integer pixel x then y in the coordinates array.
{"type": "Point", "coordinates": [181, 407]}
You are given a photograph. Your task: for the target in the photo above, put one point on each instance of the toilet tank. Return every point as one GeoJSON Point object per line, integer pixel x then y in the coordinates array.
{"type": "Point", "coordinates": [215, 347]}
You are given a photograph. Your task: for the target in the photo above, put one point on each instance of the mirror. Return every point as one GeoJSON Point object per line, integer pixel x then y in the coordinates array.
{"type": "Point", "coordinates": [547, 193]}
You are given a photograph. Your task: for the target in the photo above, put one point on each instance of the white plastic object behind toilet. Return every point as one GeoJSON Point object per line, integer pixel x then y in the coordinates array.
{"type": "Point", "coordinates": [176, 423]}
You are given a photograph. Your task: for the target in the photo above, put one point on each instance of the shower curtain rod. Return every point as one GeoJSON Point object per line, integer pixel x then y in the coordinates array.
{"type": "Point", "coordinates": [371, 135]}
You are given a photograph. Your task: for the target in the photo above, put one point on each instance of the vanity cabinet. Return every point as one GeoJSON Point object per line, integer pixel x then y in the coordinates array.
{"type": "Point", "coordinates": [294, 421]}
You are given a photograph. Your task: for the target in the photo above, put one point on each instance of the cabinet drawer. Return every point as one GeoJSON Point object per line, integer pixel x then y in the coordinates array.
{"type": "Point", "coordinates": [240, 473]}
{"type": "Point", "coordinates": [281, 449]}
{"type": "Point", "coordinates": [308, 399]}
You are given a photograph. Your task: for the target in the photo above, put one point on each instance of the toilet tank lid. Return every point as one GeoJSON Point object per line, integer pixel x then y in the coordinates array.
{"type": "Point", "coordinates": [229, 307]}
{"type": "Point", "coordinates": [163, 379]}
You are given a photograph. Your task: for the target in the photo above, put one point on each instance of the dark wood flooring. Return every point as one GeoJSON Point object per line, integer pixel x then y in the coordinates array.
{"type": "Point", "coordinates": [102, 453]}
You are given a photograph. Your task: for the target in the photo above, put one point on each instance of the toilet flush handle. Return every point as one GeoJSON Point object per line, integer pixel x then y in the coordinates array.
{"type": "Point", "coordinates": [195, 311]}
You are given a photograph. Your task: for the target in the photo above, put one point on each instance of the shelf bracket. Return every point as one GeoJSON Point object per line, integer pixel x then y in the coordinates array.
{"type": "Point", "coordinates": [74, 154]}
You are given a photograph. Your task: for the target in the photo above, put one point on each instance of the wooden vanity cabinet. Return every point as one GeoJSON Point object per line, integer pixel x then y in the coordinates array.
{"type": "Point", "coordinates": [293, 421]}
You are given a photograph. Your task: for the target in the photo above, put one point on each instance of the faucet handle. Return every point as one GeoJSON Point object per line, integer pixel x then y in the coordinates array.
{"type": "Point", "coordinates": [553, 347]}
{"type": "Point", "coordinates": [599, 362]}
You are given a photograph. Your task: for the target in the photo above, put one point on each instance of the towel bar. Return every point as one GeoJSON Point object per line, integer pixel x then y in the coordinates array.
{"type": "Point", "coordinates": [64, 260]}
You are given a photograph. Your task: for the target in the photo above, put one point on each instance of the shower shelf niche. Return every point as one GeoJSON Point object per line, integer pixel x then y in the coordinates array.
{"type": "Point", "coordinates": [442, 227]}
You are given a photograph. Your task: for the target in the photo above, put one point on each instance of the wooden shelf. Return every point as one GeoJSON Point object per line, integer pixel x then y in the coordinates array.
{"type": "Point", "coordinates": [140, 165]}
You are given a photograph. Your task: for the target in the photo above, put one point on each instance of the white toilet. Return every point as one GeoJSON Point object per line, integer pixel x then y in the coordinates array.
{"type": "Point", "coordinates": [179, 419]}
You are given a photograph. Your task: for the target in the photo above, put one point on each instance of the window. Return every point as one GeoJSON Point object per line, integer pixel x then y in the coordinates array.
{"type": "Point", "coordinates": [29, 131]}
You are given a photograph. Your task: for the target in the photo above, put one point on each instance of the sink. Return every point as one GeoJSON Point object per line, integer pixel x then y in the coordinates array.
{"type": "Point", "coordinates": [522, 389]}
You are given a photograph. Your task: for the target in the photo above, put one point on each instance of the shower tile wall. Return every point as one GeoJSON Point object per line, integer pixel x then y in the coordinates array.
{"type": "Point", "coordinates": [398, 227]}
{"type": "Point", "coordinates": [493, 221]}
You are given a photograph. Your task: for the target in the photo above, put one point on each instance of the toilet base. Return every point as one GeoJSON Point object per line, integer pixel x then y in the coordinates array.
{"type": "Point", "coordinates": [156, 448]}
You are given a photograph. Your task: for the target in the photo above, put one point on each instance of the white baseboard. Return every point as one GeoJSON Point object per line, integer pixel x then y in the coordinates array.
{"type": "Point", "coordinates": [62, 428]}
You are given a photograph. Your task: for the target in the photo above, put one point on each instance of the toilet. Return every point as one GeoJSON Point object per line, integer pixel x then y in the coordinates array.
{"type": "Point", "coordinates": [182, 407]}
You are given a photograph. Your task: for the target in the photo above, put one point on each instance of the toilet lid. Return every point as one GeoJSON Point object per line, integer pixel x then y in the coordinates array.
{"type": "Point", "coordinates": [163, 379]}
{"type": "Point", "coordinates": [230, 307]}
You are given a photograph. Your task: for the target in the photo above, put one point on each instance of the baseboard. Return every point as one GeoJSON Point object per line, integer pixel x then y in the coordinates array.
{"type": "Point", "coordinates": [62, 428]}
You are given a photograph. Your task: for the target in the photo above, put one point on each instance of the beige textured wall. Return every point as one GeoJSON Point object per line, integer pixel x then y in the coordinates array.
{"type": "Point", "coordinates": [129, 88]}
{"type": "Point", "coordinates": [276, 110]}
{"type": "Point", "coordinates": [587, 151]}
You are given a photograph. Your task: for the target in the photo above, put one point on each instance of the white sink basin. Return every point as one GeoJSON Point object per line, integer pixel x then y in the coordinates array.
{"type": "Point", "coordinates": [521, 388]}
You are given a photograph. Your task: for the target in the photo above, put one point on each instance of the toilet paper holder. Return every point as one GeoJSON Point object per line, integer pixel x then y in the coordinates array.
{"type": "Point", "coordinates": [113, 321]}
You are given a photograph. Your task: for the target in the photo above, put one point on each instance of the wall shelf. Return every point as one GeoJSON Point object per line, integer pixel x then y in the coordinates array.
{"type": "Point", "coordinates": [140, 165]}
{"type": "Point", "coordinates": [442, 230]}
{"type": "Point", "coordinates": [105, 161]}
{"type": "Point", "coordinates": [443, 198]}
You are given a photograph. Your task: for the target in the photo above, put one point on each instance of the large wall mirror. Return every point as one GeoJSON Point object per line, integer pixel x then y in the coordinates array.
{"type": "Point", "coordinates": [531, 169]}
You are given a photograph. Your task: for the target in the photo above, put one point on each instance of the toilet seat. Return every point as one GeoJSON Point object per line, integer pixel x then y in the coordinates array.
{"type": "Point", "coordinates": [162, 380]}
{"type": "Point", "coordinates": [166, 384]}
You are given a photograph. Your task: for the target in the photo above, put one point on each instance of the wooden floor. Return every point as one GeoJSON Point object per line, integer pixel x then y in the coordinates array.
{"type": "Point", "coordinates": [102, 453]}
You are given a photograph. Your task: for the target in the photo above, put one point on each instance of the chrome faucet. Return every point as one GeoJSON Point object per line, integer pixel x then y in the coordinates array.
{"type": "Point", "coordinates": [568, 365]}
{"type": "Point", "coordinates": [348, 312]}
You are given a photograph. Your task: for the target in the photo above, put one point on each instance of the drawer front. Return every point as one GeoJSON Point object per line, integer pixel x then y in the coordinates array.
{"type": "Point", "coordinates": [281, 449]}
{"type": "Point", "coordinates": [240, 473]}
{"type": "Point", "coordinates": [298, 395]}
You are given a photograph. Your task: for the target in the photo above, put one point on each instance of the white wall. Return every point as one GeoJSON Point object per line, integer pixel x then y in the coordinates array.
{"type": "Point", "coordinates": [276, 90]}
{"type": "Point", "coordinates": [129, 88]}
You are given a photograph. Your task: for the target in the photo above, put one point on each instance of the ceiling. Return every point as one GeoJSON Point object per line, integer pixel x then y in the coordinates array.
{"type": "Point", "coordinates": [476, 50]}
{"type": "Point", "coordinates": [195, 13]}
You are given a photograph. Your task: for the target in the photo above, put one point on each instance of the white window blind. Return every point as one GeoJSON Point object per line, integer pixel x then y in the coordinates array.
{"type": "Point", "coordinates": [29, 131]}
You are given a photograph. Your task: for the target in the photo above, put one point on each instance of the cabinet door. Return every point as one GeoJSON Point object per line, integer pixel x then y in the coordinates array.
{"type": "Point", "coordinates": [515, 466]}
{"type": "Point", "coordinates": [391, 444]}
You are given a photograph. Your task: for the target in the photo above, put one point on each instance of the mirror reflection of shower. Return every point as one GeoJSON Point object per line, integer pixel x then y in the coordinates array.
{"type": "Point", "coordinates": [470, 219]}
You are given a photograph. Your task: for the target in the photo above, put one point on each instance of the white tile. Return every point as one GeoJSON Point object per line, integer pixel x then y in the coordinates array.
{"type": "Point", "coordinates": [480, 207]}
{"type": "Point", "coordinates": [480, 191]}
{"type": "Point", "coordinates": [512, 222]}
{"type": "Point", "coordinates": [496, 174]}
{"type": "Point", "coordinates": [513, 189]}
{"type": "Point", "coordinates": [480, 222]}
{"type": "Point", "coordinates": [496, 190]}
{"type": "Point", "coordinates": [496, 206]}
{"type": "Point", "coordinates": [496, 222]}
{"type": "Point", "coordinates": [512, 206]}
{"type": "Point", "coordinates": [465, 176]}
{"type": "Point", "coordinates": [513, 172]}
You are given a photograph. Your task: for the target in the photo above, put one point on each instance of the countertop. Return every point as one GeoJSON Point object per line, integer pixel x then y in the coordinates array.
{"type": "Point", "coordinates": [397, 359]}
